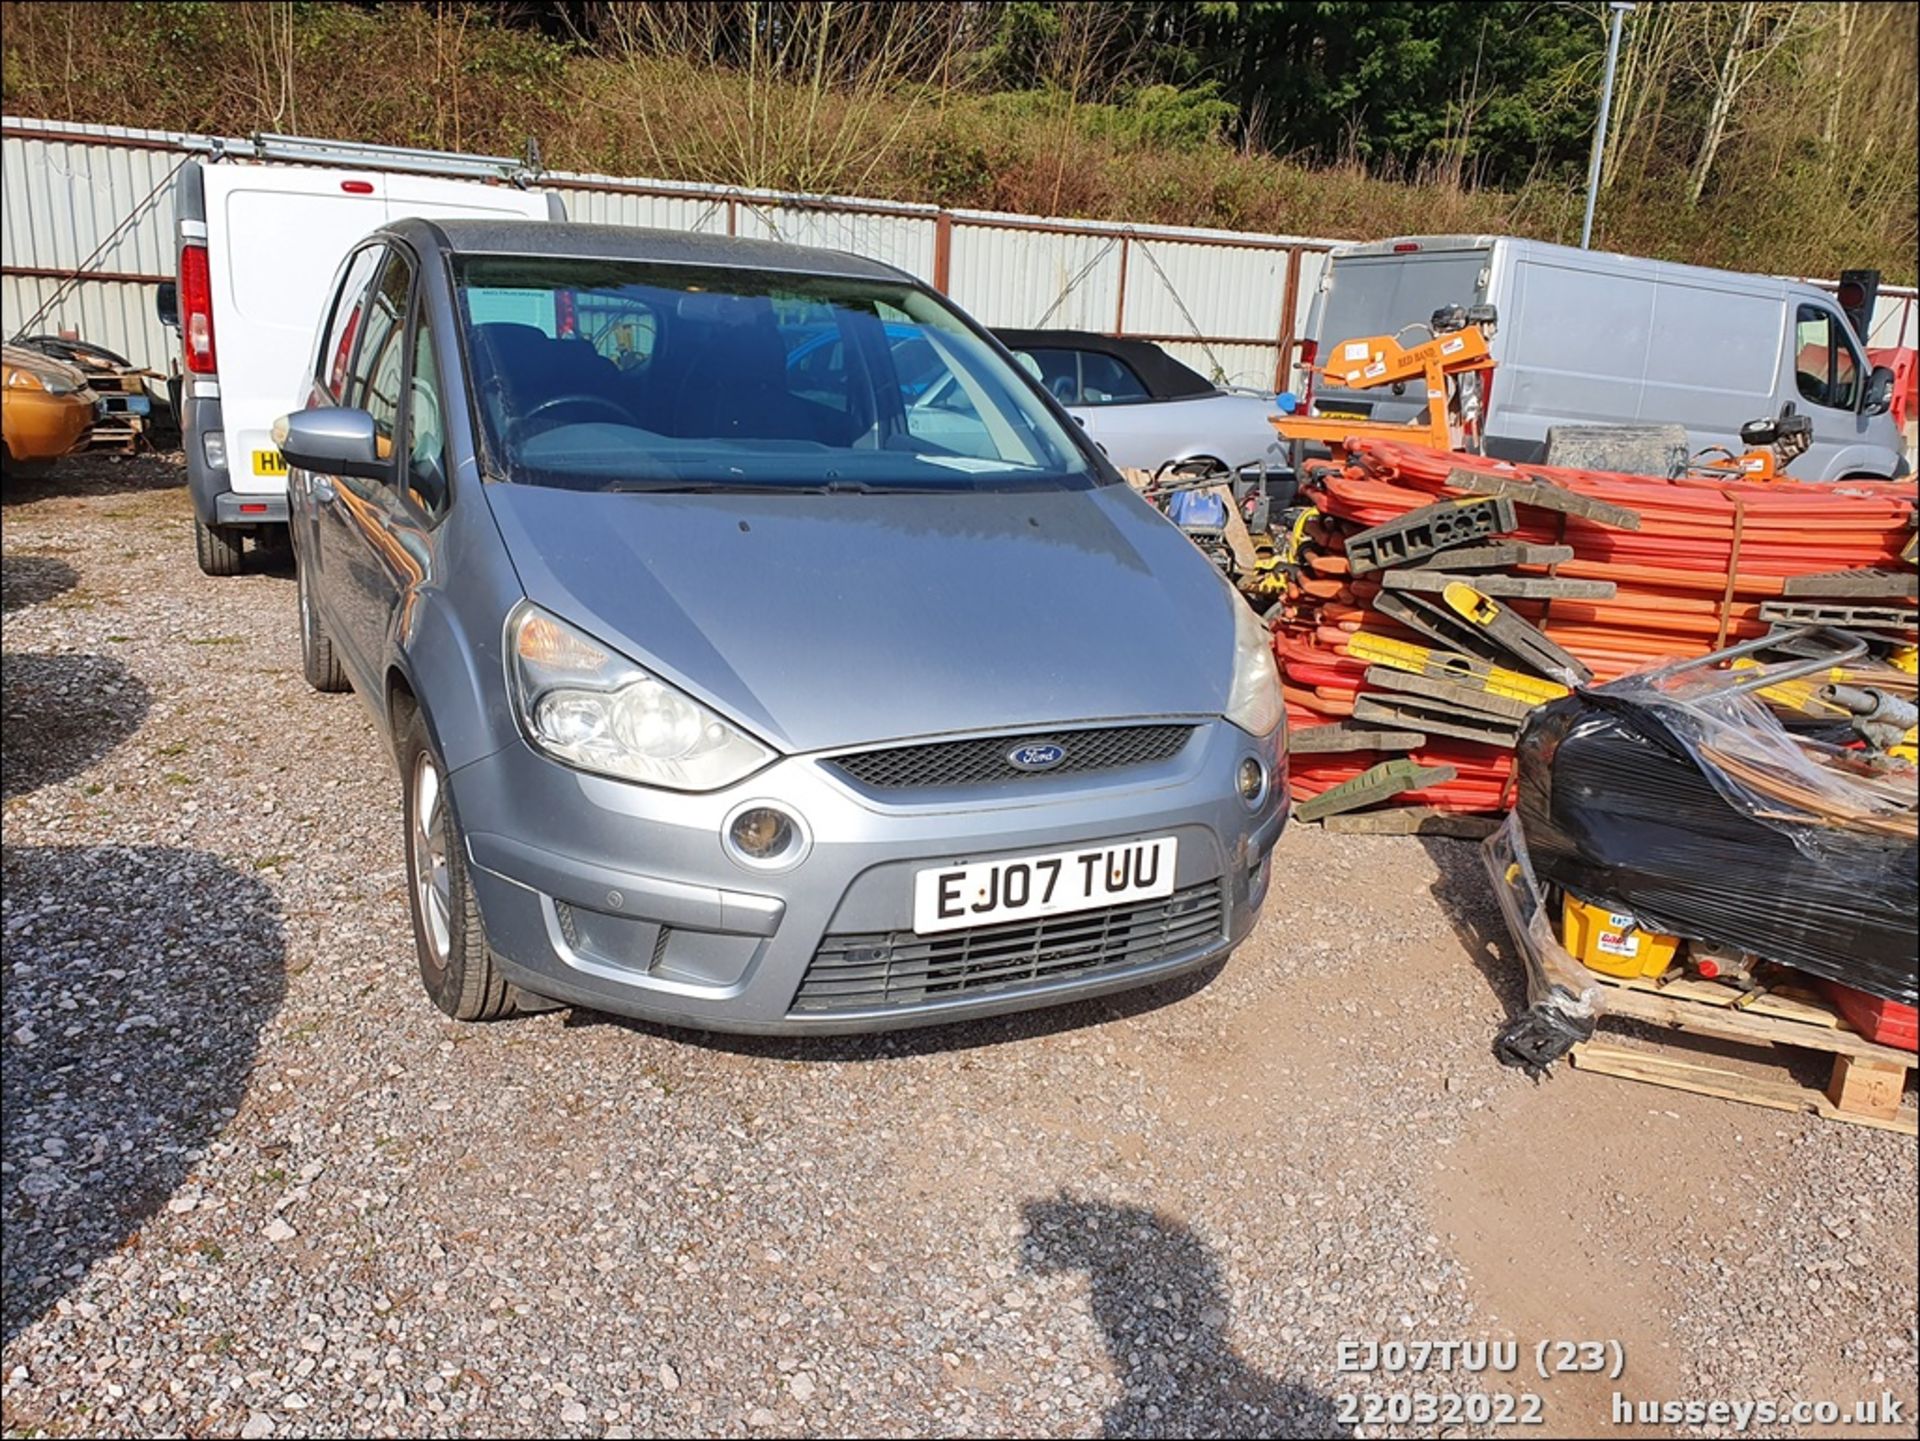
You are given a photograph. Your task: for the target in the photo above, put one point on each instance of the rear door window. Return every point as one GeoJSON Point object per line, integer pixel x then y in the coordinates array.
{"type": "Point", "coordinates": [1104, 380]}
{"type": "Point", "coordinates": [624, 333]}
{"type": "Point", "coordinates": [379, 369]}
{"type": "Point", "coordinates": [817, 364]}
{"type": "Point", "coordinates": [342, 328]}
{"type": "Point", "coordinates": [1059, 373]}
{"type": "Point", "coordinates": [1824, 366]}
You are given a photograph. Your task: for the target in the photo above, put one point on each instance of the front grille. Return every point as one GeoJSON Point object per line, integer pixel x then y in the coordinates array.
{"type": "Point", "coordinates": [978, 762]}
{"type": "Point", "coordinates": [900, 968]}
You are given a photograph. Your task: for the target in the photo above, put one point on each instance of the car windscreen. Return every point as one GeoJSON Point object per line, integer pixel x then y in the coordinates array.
{"type": "Point", "coordinates": [626, 375]}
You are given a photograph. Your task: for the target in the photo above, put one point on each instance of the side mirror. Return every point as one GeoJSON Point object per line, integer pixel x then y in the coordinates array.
{"type": "Point", "coordinates": [166, 304]}
{"type": "Point", "coordinates": [1877, 398]}
{"type": "Point", "coordinates": [333, 440]}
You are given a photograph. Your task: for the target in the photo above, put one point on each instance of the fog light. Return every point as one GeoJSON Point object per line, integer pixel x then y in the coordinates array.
{"type": "Point", "coordinates": [1253, 781]}
{"type": "Point", "coordinates": [213, 445]}
{"type": "Point", "coordinates": [763, 835]}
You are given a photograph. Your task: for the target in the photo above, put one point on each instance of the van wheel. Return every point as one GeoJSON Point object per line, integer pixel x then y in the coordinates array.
{"type": "Point", "coordinates": [217, 547]}
{"type": "Point", "coordinates": [455, 965]}
{"type": "Point", "coordinates": [317, 657]}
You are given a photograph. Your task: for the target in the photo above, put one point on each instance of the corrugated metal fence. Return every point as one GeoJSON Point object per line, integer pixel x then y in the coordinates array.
{"type": "Point", "coordinates": [97, 198]}
{"type": "Point", "coordinates": [1228, 303]}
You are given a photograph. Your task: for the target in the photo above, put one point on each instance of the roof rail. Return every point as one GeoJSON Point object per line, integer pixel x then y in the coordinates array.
{"type": "Point", "coordinates": [301, 150]}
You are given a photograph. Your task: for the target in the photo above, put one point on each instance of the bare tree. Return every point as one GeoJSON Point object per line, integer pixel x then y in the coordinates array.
{"type": "Point", "coordinates": [1652, 32]}
{"type": "Point", "coordinates": [1758, 32]}
{"type": "Point", "coordinates": [1846, 20]}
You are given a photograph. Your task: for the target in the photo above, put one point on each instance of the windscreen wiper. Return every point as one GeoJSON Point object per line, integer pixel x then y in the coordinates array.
{"type": "Point", "coordinates": [722, 487]}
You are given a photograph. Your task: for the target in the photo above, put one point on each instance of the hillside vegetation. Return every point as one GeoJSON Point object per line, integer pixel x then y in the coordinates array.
{"type": "Point", "coordinates": [1764, 136]}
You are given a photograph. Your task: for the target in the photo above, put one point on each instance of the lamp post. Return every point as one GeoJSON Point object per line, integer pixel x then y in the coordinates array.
{"type": "Point", "coordinates": [1619, 9]}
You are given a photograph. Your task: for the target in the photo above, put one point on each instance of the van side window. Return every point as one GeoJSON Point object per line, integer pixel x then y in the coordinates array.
{"type": "Point", "coordinates": [379, 369]}
{"type": "Point", "coordinates": [426, 429]}
{"type": "Point", "coordinates": [1824, 366]}
{"type": "Point", "coordinates": [342, 326]}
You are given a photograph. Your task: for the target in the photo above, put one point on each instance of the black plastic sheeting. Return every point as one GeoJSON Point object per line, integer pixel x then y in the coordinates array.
{"type": "Point", "coordinates": [1618, 808]}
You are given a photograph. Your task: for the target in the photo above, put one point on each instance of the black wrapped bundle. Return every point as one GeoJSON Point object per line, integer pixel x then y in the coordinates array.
{"type": "Point", "coordinates": [1623, 806]}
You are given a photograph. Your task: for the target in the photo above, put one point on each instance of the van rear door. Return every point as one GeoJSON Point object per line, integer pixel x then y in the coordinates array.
{"type": "Point", "coordinates": [276, 235]}
{"type": "Point", "coordinates": [1380, 290]}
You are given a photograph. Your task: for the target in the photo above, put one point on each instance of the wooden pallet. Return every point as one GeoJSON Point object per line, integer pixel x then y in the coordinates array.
{"type": "Point", "coordinates": [1866, 1087]}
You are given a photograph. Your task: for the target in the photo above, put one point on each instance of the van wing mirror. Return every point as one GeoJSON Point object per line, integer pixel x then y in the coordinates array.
{"type": "Point", "coordinates": [166, 304]}
{"type": "Point", "coordinates": [1877, 398]}
{"type": "Point", "coordinates": [334, 440]}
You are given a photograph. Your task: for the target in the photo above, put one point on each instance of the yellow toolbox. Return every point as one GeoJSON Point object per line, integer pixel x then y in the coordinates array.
{"type": "Point", "coordinates": [1612, 942]}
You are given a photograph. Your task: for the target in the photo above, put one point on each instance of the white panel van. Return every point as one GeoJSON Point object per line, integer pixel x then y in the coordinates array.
{"type": "Point", "coordinates": [1587, 338]}
{"type": "Point", "coordinates": [258, 246]}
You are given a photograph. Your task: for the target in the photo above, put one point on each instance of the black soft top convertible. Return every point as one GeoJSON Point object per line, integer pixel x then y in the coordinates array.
{"type": "Point", "coordinates": [1164, 377]}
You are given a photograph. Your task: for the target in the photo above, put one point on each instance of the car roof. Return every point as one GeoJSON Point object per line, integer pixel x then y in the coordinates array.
{"type": "Point", "coordinates": [577, 241]}
{"type": "Point", "coordinates": [1164, 377]}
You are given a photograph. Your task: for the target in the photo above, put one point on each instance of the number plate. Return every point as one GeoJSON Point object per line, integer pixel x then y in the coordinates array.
{"type": "Point", "coordinates": [269, 462]}
{"type": "Point", "coordinates": [952, 898]}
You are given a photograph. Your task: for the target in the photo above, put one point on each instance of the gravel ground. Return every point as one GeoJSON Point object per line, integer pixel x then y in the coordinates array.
{"type": "Point", "coordinates": [253, 1183]}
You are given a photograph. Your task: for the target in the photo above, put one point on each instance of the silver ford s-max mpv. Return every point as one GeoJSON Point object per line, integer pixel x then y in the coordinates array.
{"type": "Point", "coordinates": [761, 648]}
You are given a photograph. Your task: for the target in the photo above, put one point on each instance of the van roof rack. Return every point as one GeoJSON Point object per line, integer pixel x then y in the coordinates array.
{"type": "Point", "coordinates": [302, 150]}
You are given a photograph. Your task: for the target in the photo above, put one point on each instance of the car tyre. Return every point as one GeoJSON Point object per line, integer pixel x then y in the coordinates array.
{"type": "Point", "coordinates": [317, 657]}
{"type": "Point", "coordinates": [456, 966]}
{"type": "Point", "coordinates": [217, 547]}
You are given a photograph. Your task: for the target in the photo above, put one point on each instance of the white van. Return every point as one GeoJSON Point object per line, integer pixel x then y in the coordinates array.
{"type": "Point", "coordinates": [259, 243]}
{"type": "Point", "coordinates": [1587, 338]}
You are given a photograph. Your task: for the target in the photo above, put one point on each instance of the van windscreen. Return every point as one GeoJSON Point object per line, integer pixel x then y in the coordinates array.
{"type": "Point", "coordinates": [624, 375]}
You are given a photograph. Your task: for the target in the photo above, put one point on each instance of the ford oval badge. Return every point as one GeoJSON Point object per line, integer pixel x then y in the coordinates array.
{"type": "Point", "coordinates": [1043, 756]}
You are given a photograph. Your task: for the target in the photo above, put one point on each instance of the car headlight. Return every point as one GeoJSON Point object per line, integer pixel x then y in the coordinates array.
{"type": "Point", "coordinates": [19, 377]}
{"type": "Point", "coordinates": [1254, 704]}
{"type": "Point", "coordinates": [581, 703]}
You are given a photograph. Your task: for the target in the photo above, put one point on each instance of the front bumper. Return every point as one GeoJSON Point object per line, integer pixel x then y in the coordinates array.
{"type": "Point", "coordinates": [40, 426]}
{"type": "Point", "coordinates": [622, 898]}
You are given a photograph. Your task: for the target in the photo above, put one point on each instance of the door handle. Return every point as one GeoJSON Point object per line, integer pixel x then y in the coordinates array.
{"type": "Point", "coordinates": [321, 488]}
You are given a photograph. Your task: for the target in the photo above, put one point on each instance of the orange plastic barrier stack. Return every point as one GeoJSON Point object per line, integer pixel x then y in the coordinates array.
{"type": "Point", "coordinates": [1708, 554]}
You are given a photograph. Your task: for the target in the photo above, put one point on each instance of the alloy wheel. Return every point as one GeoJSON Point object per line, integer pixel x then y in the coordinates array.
{"type": "Point", "coordinates": [432, 876]}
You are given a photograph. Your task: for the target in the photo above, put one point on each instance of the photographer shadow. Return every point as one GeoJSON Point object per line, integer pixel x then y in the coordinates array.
{"type": "Point", "coordinates": [1162, 1305]}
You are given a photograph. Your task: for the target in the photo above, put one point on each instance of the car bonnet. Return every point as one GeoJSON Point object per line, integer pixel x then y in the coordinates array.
{"type": "Point", "coordinates": [827, 620]}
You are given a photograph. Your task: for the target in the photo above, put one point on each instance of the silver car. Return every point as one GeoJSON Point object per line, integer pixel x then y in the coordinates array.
{"type": "Point", "coordinates": [722, 694]}
{"type": "Point", "coordinates": [1145, 409]}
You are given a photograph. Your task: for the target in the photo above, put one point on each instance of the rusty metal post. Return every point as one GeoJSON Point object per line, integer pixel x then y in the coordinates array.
{"type": "Point", "coordinates": [733, 216]}
{"type": "Point", "coordinates": [942, 251]}
{"type": "Point", "coordinates": [1283, 364]}
{"type": "Point", "coordinates": [1120, 303]}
